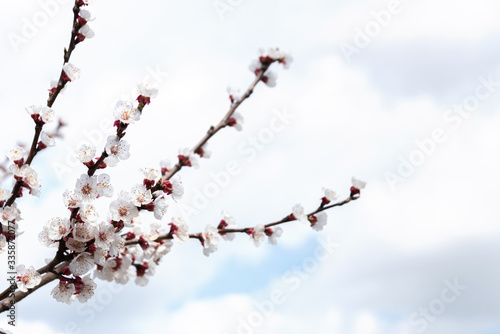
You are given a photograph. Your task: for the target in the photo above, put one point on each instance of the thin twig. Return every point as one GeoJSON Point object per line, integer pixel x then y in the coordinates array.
{"type": "Point", "coordinates": [222, 124]}
{"type": "Point", "coordinates": [284, 220]}
{"type": "Point", "coordinates": [52, 98]}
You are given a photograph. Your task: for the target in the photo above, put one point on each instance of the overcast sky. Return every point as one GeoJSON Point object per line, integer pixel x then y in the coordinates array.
{"type": "Point", "coordinates": [401, 94]}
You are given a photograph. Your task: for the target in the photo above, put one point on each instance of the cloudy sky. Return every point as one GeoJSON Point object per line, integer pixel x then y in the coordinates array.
{"type": "Point", "coordinates": [401, 94]}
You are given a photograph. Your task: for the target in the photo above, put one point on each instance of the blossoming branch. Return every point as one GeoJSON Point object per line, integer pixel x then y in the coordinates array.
{"type": "Point", "coordinates": [123, 247]}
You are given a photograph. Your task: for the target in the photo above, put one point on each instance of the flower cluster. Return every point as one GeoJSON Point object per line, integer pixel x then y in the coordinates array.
{"type": "Point", "coordinates": [266, 58]}
{"type": "Point", "coordinates": [23, 173]}
{"type": "Point", "coordinates": [87, 241]}
{"type": "Point", "coordinates": [188, 158]}
{"type": "Point", "coordinates": [88, 244]}
{"type": "Point", "coordinates": [71, 288]}
{"type": "Point", "coordinates": [124, 212]}
{"type": "Point", "coordinates": [258, 234]}
{"type": "Point", "coordinates": [147, 254]}
{"type": "Point", "coordinates": [41, 114]}
{"type": "Point", "coordinates": [143, 256]}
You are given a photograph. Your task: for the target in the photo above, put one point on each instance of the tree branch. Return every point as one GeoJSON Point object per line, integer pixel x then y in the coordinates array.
{"type": "Point", "coordinates": [52, 98]}
{"type": "Point", "coordinates": [20, 295]}
{"type": "Point", "coordinates": [284, 220]}
{"type": "Point", "coordinates": [222, 124]}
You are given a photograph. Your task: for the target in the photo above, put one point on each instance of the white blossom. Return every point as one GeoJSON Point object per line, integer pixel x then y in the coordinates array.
{"type": "Point", "coordinates": [204, 152]}
{"type": "Point", "coordinates": [234, 94]}
{"type": "Point", "coordinates": [16, 170]}
{"type": "Point", "coordinates": [63, 291]}
{"type": "Point", "coordinates": [147, 89]}
{"type": "Point", "coordinates": [255, 66]}
{"type": "Point", "coordinates": [270, 78]}
{"type": "Point", "coordinates": [151, 234]}
{"type": "Point", "coordinates": [141, 195]}
{"type": "Point", "coordinates": [193, 158]}
{"type": "Point", "coordinates": [105, 273]}
{"type": "Point", "coordinates": [123, 208]}
{"type": "Point", "coordinates": [4, 194]}
{"type": "Point", "coordinates": [330, 195]}
{"type": "Point", "coordinates": [165, 165]}
{"type": "Point", "coordinates": [87, 291]}
{"type": "Point", "coordinates": [210, 240]}
{"type": "Point", "coordinates": [46, 139]}
{"type": "Point", "coordinates": [319, 221]}
{"type": "Point", "coordinates": [86, 31]}
{"type": "Point", "coordinates": [161, 250]}
{"type": "Point", "coordinates": [117, 246]}
{"type": "Point", "coordinates": [86, 188]}
{"type": "Point", "coordinates": [258, 234]}
{"type": "Point", "coordinates": [16, 153]}
{"type": "Point", "coordinates": [27, 278]}
{"type": "Point", "coordinates": [274, 234]}
{"type": "Point", "coordinates": [126, 112]}
{"type": "Point", "coordinates": [236, 120]}
{"type": "Point", "coordinates": [286, 59]}
{"type": "Point", "coordinates": [274, 54]}
{"type": "Point", "coordinates": [58, 228]}
{"type": "Point", "coordinates": [177, 187]}
{"type": "Point", "coordinates": [81, 264]}
{"type": "Point", "coordinates": [72, 72]}
{"type": "Point", "coordinates": [88, 213]}
{"type": "Point", "coordinates": [10, 213]}
{"type": "Point", "coordinates": [85, 14]}
{"type": "Point", "coordinates": [117, 150]}
{"type": "Point", "coordinates": [180, 230]}
{"type": "Point", "coordinates": [227, 222]}
{"type": "Point", "coordinates": [71, 199]}
{"type": "Point", "coordinates": [100, 255]}
{"type": "Point", "coordinates": [150, 173]}
{"type": "Point", "coordinates": [76, 246]}
{"type": "Point", "coordinates": [123, 273]}
{"type": "Point", "coordinates": [83, 232]}
{"type": "Point", "coordinates": [54, 83]}
{"type": "Point", "coordinates": [299, 214]}
{"type": "Point", "coordinates": [43, 237]}
{"type": "Point", "coordinates": [45, 113]}
{"type": "Point", "coordinates": [104, 185]}
{"type": "Point", "coordinates": [358, 184]}
{"type": "Point", "coordinates": [105, 235]}
{"type": "Point", "coordinates": [85, 153]}
{"type": "Point", "coordinates": [3, 243]}
{"type": "Point", "coordinates": [141, 278]}
{"type": "Point", "coordinates": [31, 180]}
{"type": "Point", "coordinates": [161, 206]}
{"type": "Point", "coordinates": [116, 269]}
